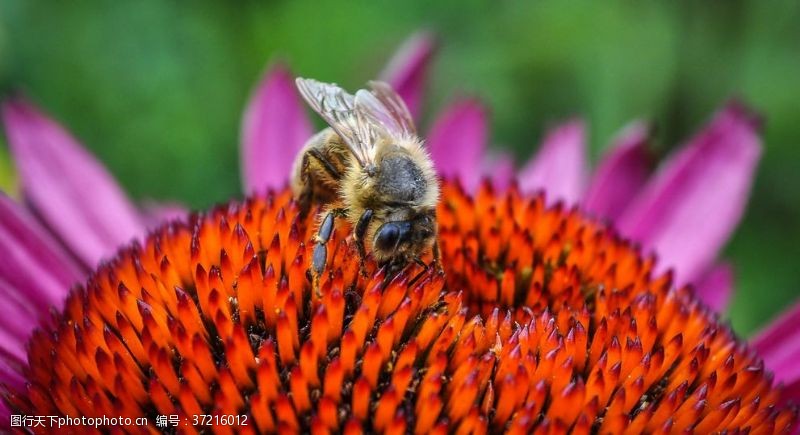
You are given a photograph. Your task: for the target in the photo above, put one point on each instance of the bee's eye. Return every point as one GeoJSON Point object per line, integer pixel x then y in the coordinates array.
{"type": "Point", "coordinates": [387, 236]}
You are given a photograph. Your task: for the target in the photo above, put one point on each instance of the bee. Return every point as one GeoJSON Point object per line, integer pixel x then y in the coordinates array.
{"type": "Point", "coordinates": [370, 168]}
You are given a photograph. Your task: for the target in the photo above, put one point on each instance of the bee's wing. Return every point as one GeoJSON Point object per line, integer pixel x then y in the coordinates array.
{"type": "Point", "coordinates": [392, 109]}
{"type": "Point", "coordinates": [338, 109]}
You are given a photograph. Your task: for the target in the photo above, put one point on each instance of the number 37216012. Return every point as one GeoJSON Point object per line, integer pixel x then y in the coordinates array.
{"type": "Point", "coordinates": [219, 420]}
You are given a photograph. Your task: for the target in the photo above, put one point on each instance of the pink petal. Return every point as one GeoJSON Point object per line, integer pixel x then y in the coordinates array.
{"type": "Point", "coordinates": [688, 211]}
{"type": "Point", "coordinates": [715, 287]}
{"type": "Point", "coordinates": [779, 345]}
{"type": "Point", "coordinates": [457, 141]}
{"type": "Point", "coordinates": [11, 376]}
{"type": "Point", "coordinates": [559, 168]}
{"type": "Point", "coordinates": [407, 70]}
{"type": "Point", "coordinates": [790, 394]}
{"type": "Point", "coordinates": [34, 266]}
{"type": "Point", "coordinates": [499, 169]}
{"type": "Point", "coordinates": [274, 129]}
{"type": "Point", "coordinates": [620, 175]}
{"type": "Point", "coordinates": [156, 214]}
{"type": "Point", "coordinates": [5, 411]}
{"type": "Point", "coordinates": [18, 316]}
{"type": "Point", "coordinates": [69, 189]}
{"type": "Point", "coordinates": [35, 274]}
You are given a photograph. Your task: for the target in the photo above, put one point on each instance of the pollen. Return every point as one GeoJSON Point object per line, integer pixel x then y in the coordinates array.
{"type": "Point", "coordinates": [542, 320]}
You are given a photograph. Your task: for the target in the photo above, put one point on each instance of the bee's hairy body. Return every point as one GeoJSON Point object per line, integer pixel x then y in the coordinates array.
{"type": "Point", "coordinates": [400, 186]}
{"type": "Point", "coordinates": [370, 168]}
{"type": "Point", "coordinates": [319, 168]}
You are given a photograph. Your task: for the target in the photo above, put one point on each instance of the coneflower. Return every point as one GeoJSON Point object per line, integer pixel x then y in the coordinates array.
{"type": "Point", "coordinates": [545, 318]}
{"type": "Point", "coordinates": [543, 321]}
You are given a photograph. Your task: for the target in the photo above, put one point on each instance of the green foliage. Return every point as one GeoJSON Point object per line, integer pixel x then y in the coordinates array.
{"type": "Point", "coordinates": [156, 89]}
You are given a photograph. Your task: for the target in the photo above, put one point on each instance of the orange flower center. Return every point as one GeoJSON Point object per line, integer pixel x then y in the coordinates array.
{"type": "Point", "coordinates": [543, 321]}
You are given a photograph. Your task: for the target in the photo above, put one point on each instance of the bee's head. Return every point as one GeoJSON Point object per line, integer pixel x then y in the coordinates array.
{"type": "Point", "coordinates": [405, 238]}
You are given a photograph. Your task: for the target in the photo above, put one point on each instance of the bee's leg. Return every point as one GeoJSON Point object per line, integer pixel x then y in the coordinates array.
{"type": "Point", "coordinates": [425, 269]}
{"type": "Point", "coordinates": [314, 168]}
{"type": "Point", "coordinates": [359, 232]}
{"type": "Point", "coordinates": [329, 168]}
{"type": "Point", "coordinates": [437, 261]}
{"type": "Point", "coordinates": [320, 256]}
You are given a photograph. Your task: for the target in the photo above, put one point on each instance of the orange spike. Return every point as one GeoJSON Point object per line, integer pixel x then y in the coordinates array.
{"type": "Point", "coordinates": [361, 396]}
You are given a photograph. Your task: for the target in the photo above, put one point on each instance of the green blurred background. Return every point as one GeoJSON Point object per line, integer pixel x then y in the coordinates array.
{"type": "Point", "coordinates": [155, 89]}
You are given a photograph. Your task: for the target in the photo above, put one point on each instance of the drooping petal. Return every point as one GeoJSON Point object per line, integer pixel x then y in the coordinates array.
{"type": "Point", "coordinates": [12, 377]}
{"type": "Point", "coordinates": [274, 129]}
{"type": "Point", "coordinates": [688, 211]}
{"type": "Point", "coordinates": [791, 393]}
{"type": "Point", "coordinates": [715, 286]}
{"type": "Point", "coordinates": [155, 214]}
{"type": "Point", "coordinates": [35, 275]}
{"type": "Point", "coordinates": [70, 190]}
{"type": "Point", "coordinates": [779, 345]}
{"type": "Point", "coordinates": [559, 167]}
{"type": "Point", "coordinates": [620, 175]}
{"type": "Point", "coordinates": [5, 411]}
{"type": "Point", "coordinates": [498, 168]}
{"type": "Point", "coordinates": [17, 313]}
{"type": "Point", "coordinates": [457, 141]}
{"type": "Point", "coordinates": [33, 263]}
{"type": "Point", "coordinates": [407, 69]}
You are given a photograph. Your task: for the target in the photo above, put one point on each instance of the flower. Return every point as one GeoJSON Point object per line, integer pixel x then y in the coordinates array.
{"type": "Point", "coordinates": [684, 213]}
{"type": "Point", "coordinates": [68, 232]}
{"type": "Point", "coordinates": [542, 320]}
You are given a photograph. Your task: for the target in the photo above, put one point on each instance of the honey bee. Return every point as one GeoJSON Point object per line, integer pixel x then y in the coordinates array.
{"type": "Point", "coordinates": [370, 168]}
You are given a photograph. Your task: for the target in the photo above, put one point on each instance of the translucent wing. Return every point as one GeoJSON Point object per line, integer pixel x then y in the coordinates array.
{"type": "Point", "coordinates": [394, 105]}
{"type": "Point", "coordinates": [338, 109]}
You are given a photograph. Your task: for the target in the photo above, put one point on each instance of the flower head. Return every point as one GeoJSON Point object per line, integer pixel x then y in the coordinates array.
{"type": "Point", "coordinates": [542, 320]}
{"type": "Point", "coordinates": [544, 316]}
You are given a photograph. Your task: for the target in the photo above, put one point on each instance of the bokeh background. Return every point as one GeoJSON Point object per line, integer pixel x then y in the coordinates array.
{"type": "Point", "coordinates": [155, 88]}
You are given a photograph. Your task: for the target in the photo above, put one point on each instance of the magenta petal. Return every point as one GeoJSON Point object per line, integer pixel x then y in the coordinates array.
{"type": "Point", "coordinates": [18, 316]}
{"type": "Point", "coordinates": [12, 377]}
{"type": "Point", "coordinates": [5, 411]}
{"type": "Point", "coordinates": [499, 169]}
{"type": "Point", "coordinates": [620, 175]}
{"type": "Point", "coordinates": [33, 263]}
{"type": "Point", "coordinates": [155, 214]}
{"type": "Point", "coordinates": [35, 274]}
{"type": "Point", "coordinates": [457, 141]}
{"type": "Point", "coordinates": [779, 345]}
{"type": "Point", "coordinates": [559, 168]}
{"type": "Point", "coordinates": [69, 189]}
{"type": "Point", "coordinates": [790, 394]}
{"type": "Point", "coordinates": [407, 70]}
{"type": "Point", "coordinates": [715, 287]}
{"type": "Point", "coordinates": [688, 211]}
{"type": "Point", "coordinates": [274, 129]}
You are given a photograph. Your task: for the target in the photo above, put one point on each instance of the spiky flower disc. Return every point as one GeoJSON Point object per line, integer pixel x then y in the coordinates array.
{"type": "Point", "coordinates": [544, 321]}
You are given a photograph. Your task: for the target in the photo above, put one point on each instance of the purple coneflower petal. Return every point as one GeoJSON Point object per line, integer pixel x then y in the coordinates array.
{"type": "Point", "coordinates": [407, 69]}
{"type": "Point", "coordinates": [457, 141]}
{"type": "Point", "coordinates": [71, 191]}
{"type": "Point", "coordinates": [498, 168]}
{"type": "Point", "coordinates": [17, 311]}
{"type": "Point", "coordinates": [12, 377]}
{"type": "Point", "coordinates": [155, 213]}
{"type": "Point", "coordinates": [779, 345]}
{"type": "Point", "coordinates": [559, 167]}
{"type": "Point", "coordinates": [274, 129]}
{"type": "Point", "coordinates": [715, 287]}
{"type": "Point", "coordinates": [688, 211]}
{"type": "Point", "coordinates": [35, 274]}
{"type": "Point", "coordinates": [33, 263]}
{"type": "Point", "coordinates": [620, 175]}
{"type": "Point", "coordinates": [791, 393]}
